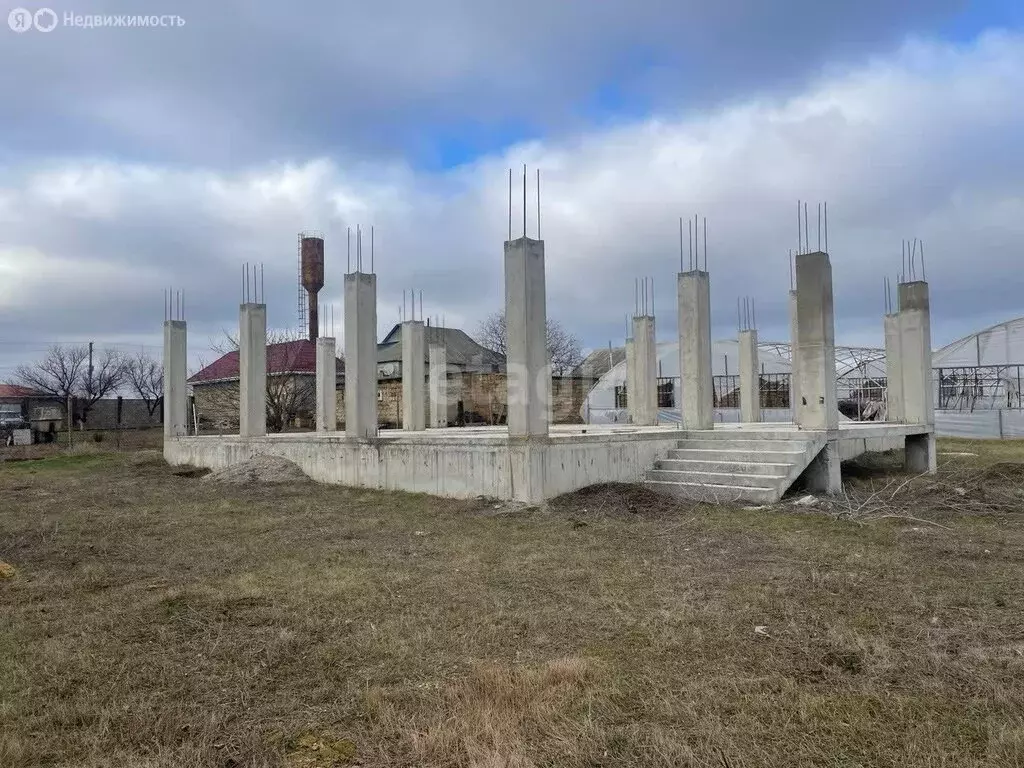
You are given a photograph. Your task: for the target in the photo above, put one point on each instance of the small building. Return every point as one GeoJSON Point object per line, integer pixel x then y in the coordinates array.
{"type": "Point", "coordinates": [291, 387]}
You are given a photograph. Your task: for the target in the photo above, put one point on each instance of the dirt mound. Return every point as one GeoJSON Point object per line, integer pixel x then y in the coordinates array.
{"type": "Point", "coordinates": [1007, 471]}
{"type": "Point", "coordinates": [259, 469]}
{"type": "Point", "coordinates": [616, 499]}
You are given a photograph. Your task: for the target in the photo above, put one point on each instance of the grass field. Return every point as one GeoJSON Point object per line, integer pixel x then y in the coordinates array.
{"type": "Point", "coordinates": [156, 619]}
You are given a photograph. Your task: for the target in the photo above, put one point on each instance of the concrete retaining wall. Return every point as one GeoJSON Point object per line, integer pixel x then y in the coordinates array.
{"type": "Point", "coordinates": [531, 470]}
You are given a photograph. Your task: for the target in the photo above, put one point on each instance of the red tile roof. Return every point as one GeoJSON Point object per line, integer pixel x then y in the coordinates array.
{"type": "Point", "coordinates": [13, 390]}
{"type": "Point", "coordinates": [286, 357]}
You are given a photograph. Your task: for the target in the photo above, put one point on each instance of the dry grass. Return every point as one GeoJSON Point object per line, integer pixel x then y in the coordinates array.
{"type": "Point", "coordinates": [155, 620]}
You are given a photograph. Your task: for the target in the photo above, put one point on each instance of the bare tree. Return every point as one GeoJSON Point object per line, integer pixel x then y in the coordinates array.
{"type": "Point", "coordinates": [145, 375]}
{"type": "Point", "coordinates": [564, 348]}
{"type": "Point", "coordinates": [290, 392]}
{"type": "Point", "coordinates": [73, 371]}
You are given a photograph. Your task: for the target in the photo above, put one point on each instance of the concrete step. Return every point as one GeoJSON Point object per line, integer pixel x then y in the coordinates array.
{"type": "Point", "coordinates": [745, 444]}
{"type": "Point", "coordinates": [715, 494]}
{"type": "Point", "coordinates": [718, 478]}
{"type": "Point", "coordinates": [740, 455]}
{"type": "Point", "coordinates": [747, 434]}
{"type": "Point", "coordinates": [724, 467]}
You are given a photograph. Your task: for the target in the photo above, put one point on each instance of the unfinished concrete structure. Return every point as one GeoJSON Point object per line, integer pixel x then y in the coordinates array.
{"type": "Point", "coordinates": [438, 386]}
{"type": "Point", "coordinates": [252, 370]}
{"type": "Point", "coordinates": [893, 363]}
{"type": "Point", "coordinates": [630, 368]}
{"type": "Point", "coordinates": [696, 382]}
{"type": "Point", "coordinates": [175, 360]}
{"type": "Point", "coordinates": [750, 371]}
{"type": "Point", "coordinates": [360, 354]}
{"type": "Point", "coordinates": [528, 366]}
{"type": "Point", "coordinates": [414, 418]}
{"type": "Point", "coordinates": [326, 385]}
{"type": "Point", "coordinates": [794, 358]}
{"type": "Point", "coordinates": [816, 345]}
{"type": "Point", "coordinates": [916, 372]}
{"type": "Point", "coordinates": [643, 400]}
{"type": "Point", "coordinates": [531, 462]}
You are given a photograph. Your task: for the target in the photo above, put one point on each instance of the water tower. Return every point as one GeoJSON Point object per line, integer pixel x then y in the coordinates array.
{"type": "Point", "coordinates": [311, 278]}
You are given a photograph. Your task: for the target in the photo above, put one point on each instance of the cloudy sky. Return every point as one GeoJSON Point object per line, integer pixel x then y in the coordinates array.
{"type": "Point", "coordinates": [137, 158]}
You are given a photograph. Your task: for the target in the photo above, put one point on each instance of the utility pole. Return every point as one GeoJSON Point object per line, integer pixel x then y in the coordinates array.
{"type": "Point", "coordinates": [88, 389]}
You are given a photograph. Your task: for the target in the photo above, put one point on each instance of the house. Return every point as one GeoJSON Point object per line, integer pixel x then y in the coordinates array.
{"type": "Point", "coordinates": [463, 354]}
{"type": "Point", "coordinates": [291, 386]}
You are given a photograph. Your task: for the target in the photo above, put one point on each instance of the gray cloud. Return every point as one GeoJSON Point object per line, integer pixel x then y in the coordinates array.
{"type": "Point", "coordinates": [923, 144]}
{"type": "Point", "coordinates": [243, 81]}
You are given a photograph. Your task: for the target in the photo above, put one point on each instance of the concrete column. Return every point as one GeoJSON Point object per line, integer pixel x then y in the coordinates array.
{"type": "Point", "coordinates": [815, 342]}
{"type": "Point", "coordinates": [916, 374]}
{"type": "Point", "coordinates": [360, 354]}
{"type": "Point", "coordinates": [644, 401]}
{"type": "Point", "coordinates": [438, 386]}
{"type": "Point", "coordinates": [175, 396]}
{"type": "Point", "coordinates": [414, 418]}
{"type": "Point", "coordinates": [326, 385]}
{"type": "Point", "coordinates": [697, 395]}
{"type": "Point", "coordinates": [893, 370]}
{"type": "Point", "coordinates": [816, 347]}
{"type": "Point", "coordinates": [527, 363]}
{"type": "Point", "coordinates": [630, 378]}
{"type": "Point", "coordinates": [794, 356]}
{"type": "Point", "coordinates": [750, 378]}
{"type": "Point", "coordinates": [916, 353]}
{"type": "Point", "coordinates": [252, 370]}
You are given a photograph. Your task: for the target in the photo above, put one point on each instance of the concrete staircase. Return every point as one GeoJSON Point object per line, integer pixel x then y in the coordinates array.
{"type": "Point", "coordinates": [749, 465]}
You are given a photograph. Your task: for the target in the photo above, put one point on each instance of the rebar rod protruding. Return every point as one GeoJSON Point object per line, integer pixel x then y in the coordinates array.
{"type": "Point", "coordinates": [826, 226]}
{"type": "Point", "coordinates": [680, 243]}
{"type": "Point", "coordinates": [705, 243]}
{"type": "Point", "coordinates": [524, 199]}
{"type": "Point", "coordinates": [799, 237]}
{"type": "Point", "coordinates": [689, 227]}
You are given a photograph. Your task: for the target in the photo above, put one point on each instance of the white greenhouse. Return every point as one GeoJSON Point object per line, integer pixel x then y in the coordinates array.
{"type": "Point", "coordinates": [978, 382]}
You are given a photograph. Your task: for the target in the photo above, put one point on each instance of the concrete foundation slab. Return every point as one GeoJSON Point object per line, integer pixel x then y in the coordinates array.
{"type": "Point", "coordinates": [485, 461]}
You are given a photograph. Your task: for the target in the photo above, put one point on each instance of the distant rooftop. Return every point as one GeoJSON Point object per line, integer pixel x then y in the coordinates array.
{"type": "Point", "coordinates": [287, 357]}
